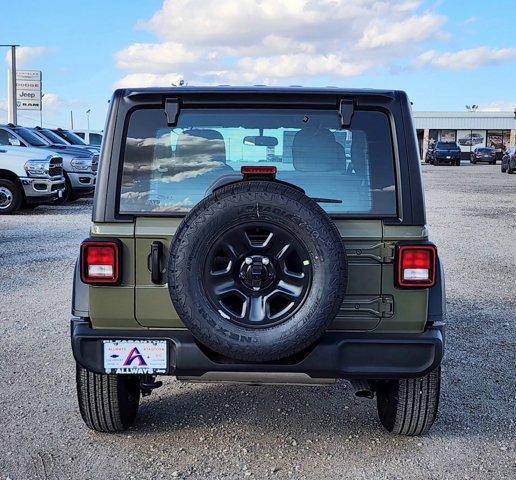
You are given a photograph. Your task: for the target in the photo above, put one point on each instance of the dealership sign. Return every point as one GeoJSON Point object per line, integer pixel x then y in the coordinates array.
{"type": "Point", "coordinates": [28, 89]}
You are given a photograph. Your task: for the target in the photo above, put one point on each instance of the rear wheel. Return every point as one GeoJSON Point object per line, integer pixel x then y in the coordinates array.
{"type": "Point", "coordinates": [409, 406]}
{"type": "Point", "coordinates": [108, 403]}
{"type": "Point", "coordinates": [11, 197]}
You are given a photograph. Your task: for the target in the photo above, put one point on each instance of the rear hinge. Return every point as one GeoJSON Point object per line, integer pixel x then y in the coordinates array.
{"type": "Point", "coordinates": [380, 252]}
{"type": "Point", "coordinates": [385, 306]}
{"type": "Point", "coordinates": [172, 107]}
{"type": "Point", "coordinates": [387, 251]}
{"type": "Point", "coordinates": [382, 307]}
{"type": "Point", "coordinates": [346, 111]}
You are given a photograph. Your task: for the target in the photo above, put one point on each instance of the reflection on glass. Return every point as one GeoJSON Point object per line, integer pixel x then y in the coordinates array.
{"type": "Point", "coordinates": [170, 169]}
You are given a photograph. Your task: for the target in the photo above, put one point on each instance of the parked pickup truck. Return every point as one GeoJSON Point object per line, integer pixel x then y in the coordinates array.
{"type": "Point", "coordinates": [79, 165]}
{"type": "Point", "coordinates": [446, 152]}
{"type": "Point", "coordinates": [28, 177]}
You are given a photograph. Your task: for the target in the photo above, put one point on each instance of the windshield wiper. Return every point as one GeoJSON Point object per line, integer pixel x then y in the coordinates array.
{"type": "Point", "coordinates": [326, 200]}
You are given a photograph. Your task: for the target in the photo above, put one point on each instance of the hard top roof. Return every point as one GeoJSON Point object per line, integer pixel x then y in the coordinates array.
{"type": "Point", "coordinates": [260, 89]}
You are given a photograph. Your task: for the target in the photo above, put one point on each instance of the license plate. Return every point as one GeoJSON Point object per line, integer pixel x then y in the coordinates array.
{"type": "Point", "coordinates": [135, 356]}
{"type": "Point", "coordinates": [448, 156]}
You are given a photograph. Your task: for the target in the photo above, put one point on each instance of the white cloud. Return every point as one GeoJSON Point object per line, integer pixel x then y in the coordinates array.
{"type": "Point", "coordinates": [243, 41]}
{"type": "Point", "coordinates": [295, 66]}
{"type": "Point", "coordinates": [148, 80]}
{"type": "Point", "coordinates": [383, 33]}
{"type": "Point", "coordinates": [52, 102]}
{"type": "Point", "coordinates": [498, 106]}
{"type": "Point", "coordinates": [465, 59]}
{"type": "Point", "coordinates": [24, 55]}
{"type": "Point", "coordinates": [156, 58]}
{"type": "Point", "coordinates": [469, 21]}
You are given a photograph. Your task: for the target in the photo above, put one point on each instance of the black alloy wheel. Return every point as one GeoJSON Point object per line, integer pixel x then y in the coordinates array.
{"type": "Point", "coordinates": [257, 274]}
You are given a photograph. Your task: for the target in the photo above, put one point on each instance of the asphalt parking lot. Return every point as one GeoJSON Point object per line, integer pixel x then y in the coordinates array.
{"type": "Point", "coordinates": [221, 431]}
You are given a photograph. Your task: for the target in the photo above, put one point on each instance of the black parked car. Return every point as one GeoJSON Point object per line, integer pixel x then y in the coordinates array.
{"type": "Point", "coordinates": [445, 152]}
{"type": "Point", "coordinates": [509, 160]}
{"type": "Point", "coordinates": [483, 154]}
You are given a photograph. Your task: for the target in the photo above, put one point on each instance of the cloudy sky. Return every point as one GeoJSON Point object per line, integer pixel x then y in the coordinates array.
{"type": "Point", "coordinates": [445, 54]}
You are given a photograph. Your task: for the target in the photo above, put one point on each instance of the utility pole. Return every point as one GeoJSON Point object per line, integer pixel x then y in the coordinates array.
{"type": "Point", "coordinates": [12, 112]}
{"type": "Point", "coordinates": [41, 111]}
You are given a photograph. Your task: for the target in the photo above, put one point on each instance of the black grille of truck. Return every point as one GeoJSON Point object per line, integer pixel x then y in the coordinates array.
{"type": "Point", "coordinates": [95, 163]}
{"type": "Point", "coordinates": [56, 167]}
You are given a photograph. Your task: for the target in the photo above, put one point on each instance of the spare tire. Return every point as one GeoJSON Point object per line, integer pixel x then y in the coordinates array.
{"type": "Point", "coordinates": [257, 271]}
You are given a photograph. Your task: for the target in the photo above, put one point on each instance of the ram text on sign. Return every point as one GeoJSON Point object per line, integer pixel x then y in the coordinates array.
{"type": "Point", "coordinates": [28, 105]}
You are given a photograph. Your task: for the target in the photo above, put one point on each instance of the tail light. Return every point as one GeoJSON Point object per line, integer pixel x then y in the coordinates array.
{"type": "Point", "coordinates": [100, 262]}
{"type": "Point", "coordinates": [416, 266]}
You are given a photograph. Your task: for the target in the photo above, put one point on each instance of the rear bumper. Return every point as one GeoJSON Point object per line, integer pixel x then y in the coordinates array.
{"type": "Point", "coordinates": [336, 355]}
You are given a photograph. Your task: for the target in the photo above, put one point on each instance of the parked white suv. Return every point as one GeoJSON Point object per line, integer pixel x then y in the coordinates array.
{"type": "Point", "coordinates": [28, 177]}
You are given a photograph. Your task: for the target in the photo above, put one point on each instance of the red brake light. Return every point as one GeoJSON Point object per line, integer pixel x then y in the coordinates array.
{"type": "Point", "coordinates": [416, 266]}
{"type": "Point", "coordinates": [100, 262]}
{"type": "Point", "coordinates": [266, 171]}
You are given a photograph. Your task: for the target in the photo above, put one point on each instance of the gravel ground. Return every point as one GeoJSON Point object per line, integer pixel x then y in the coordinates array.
{"type": "Point", "coordinates": [219, 431]}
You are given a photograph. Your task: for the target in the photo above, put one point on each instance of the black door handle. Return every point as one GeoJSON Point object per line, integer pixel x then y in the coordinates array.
{"type": "Point", "coordinates": [156, 260]}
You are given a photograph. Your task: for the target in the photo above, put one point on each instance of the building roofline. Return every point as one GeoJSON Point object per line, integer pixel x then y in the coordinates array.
{"type": "Point", "coordinates": [469, 115]}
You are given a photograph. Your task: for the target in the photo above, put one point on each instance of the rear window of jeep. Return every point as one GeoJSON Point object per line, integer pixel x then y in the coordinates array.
{"type": "Point", "coordinates": [170, 169]}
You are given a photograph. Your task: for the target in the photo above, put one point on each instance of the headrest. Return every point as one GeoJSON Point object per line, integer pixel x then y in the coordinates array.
{"type": "Point", "coordinates": [314, 150]}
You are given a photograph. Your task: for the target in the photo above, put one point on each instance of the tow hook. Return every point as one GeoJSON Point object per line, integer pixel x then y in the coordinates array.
{"type": "Point", "coordinates": [148, 383]}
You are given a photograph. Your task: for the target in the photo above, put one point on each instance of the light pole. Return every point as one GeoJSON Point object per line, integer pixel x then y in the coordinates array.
{"type": "Point", "coordinates": [88, 117]}
{"type": "Point", "coordinates": [12, 112]}
{"type": "Point", "coordinates": [41, 111]}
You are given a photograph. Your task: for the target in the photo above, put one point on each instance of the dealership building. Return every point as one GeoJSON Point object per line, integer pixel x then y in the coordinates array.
{"type": "Point", "coordinates": [470, 129]}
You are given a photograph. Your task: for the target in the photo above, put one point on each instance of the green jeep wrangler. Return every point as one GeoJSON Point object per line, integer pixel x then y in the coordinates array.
{"type": "Point", "coordinates": [259, 235]}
